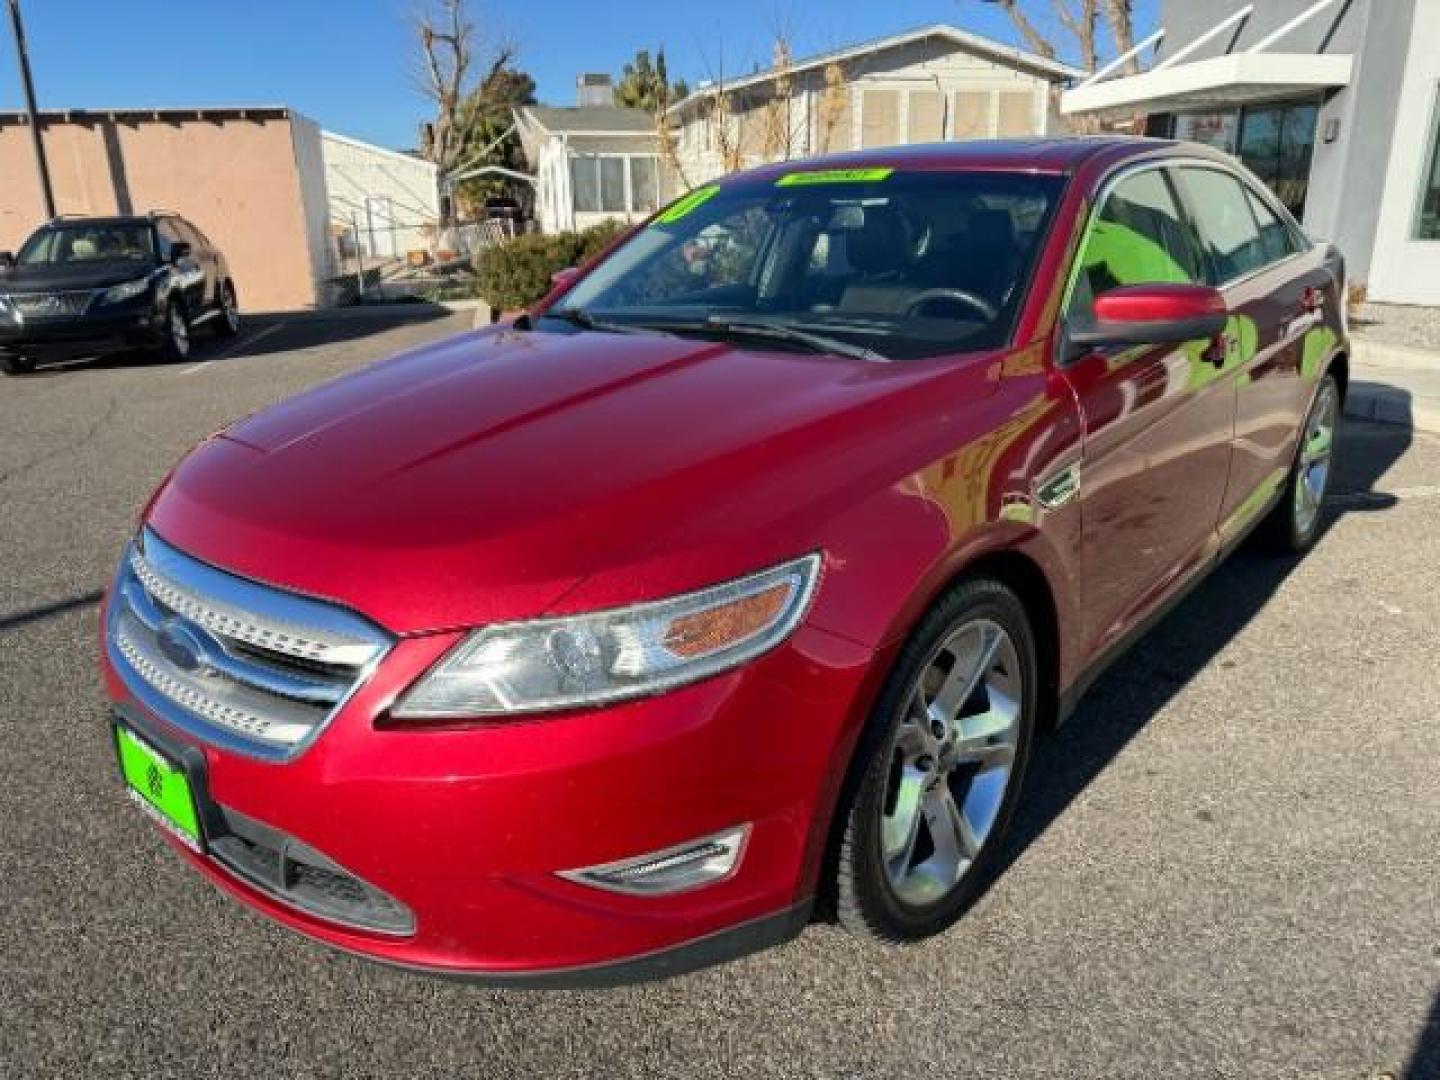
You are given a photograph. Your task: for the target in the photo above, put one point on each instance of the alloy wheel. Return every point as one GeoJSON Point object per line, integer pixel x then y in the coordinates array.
{"type": "Point", "coordinates": [229, 309]}
{"type": "Point", "coordinates": [952, 762]}
{"type": "Point", "coordinates": [1312, 478]}
{"type": "Point", "coordinates": [179, 331]}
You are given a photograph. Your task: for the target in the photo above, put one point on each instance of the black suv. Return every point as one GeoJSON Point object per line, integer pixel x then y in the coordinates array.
{"type": "Point", "coordinates": [84, 285]}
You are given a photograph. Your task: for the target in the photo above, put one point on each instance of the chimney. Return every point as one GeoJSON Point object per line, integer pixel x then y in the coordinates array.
{"type": "Point", "coordinates": [594, 89]}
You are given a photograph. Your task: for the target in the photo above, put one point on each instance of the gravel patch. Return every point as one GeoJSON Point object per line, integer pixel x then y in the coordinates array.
{"type": "Point", "coordinates": [1398, 324]}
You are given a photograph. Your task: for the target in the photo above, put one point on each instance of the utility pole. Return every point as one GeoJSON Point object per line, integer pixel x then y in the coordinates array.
{"type": "Point", "coordinates": [29, 86]}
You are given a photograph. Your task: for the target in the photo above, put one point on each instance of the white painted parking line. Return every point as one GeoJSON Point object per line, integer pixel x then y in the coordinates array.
{"type": "Point", "coordinates": [257, 336]}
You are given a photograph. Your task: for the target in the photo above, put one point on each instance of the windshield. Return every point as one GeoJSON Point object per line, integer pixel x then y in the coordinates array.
{"type": "Point", "coordinates": [87, 242]}
{"type": "Point", "coordinates": [892, 264]}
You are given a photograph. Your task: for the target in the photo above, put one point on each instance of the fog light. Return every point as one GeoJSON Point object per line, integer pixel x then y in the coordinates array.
{"type": "Point", "coordinates": [676, 869]}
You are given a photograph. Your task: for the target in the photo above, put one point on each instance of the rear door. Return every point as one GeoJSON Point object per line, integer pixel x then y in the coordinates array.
{"type": "Point", "coordinates": [1157, 419]}
{"type": "Point", "coordinates": [1276, 288]}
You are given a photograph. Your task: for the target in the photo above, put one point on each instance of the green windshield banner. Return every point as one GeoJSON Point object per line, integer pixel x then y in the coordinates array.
{"type": "Point", "coordinates": [834, 176]}
{"type": "Point", "coordinates": [686, 204]}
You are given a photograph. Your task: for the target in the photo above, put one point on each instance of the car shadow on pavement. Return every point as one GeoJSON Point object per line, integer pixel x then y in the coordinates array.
{"type": "Point", "coordinates": [1143, 681]}
{"type": "Point", "coordinates": [261, 334]}
{"type": "Point", "coordinates": [1425, 1061]}
{"type": "Point", "coordinates": [17, 619]}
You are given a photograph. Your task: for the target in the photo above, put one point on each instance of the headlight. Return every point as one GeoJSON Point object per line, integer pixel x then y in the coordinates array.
{"type": "Point", "coordinates": [585, 660]}
{"type": "Point", "coordinates": [126, 290]}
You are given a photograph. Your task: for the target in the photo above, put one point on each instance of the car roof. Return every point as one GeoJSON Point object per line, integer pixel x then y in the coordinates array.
{"type": "Point", "coordinates": [1042, 155]}
{"type": "Point", "coordinates": [107, 219]}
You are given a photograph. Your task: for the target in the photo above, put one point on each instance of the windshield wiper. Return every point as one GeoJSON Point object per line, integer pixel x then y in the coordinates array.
{"type": "Point", "coordinates": [578, 316]}
{"type": "Point", "coordinates": [787, 332]}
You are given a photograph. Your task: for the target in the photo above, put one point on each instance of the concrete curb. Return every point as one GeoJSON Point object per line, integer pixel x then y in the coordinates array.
{"type": "Point", "coordinates": [1367, 352]}
{"type": "Point", "coordinates": [371, 311]}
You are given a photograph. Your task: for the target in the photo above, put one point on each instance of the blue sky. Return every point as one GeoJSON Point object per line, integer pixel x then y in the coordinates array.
{"type": "Point", "coordinates": [344, 62]}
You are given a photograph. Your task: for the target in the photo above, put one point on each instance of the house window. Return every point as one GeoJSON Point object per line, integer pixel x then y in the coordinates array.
{"type": "Point", "coordinates": [1427, 227]}
{"type": "Point", "coordinates": [585, 185]}
{"type": "Point", "coordinates": [644, 185]}
{"type": "Point", "coordinates": [614, 184]}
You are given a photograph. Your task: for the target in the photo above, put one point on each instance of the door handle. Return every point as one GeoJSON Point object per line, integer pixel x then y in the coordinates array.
{"type": "Point", "coordinates": [1311, 300]}
{"type": "Point", "coordinates": [1217, 350]}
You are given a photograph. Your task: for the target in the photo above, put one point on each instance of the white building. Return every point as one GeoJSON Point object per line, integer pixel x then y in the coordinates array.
{"type": "Point", "coordinates": [389, 201]}
{"type": "Point", "coordinates": [930, 84]}
{"type": "Point", "coordinates": [592, 162]}
{"type": "Point", "coordinates": [1333, 103]}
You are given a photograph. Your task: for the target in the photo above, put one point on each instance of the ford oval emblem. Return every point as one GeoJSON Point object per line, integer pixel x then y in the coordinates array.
{"type": "Point", "coordinates": [182, 646]}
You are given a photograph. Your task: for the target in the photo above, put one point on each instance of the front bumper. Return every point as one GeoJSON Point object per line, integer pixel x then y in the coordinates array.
{"type": "Point", "coordinates": [128, 327]}
{"type": "Point", "coordinates": [469, 825]}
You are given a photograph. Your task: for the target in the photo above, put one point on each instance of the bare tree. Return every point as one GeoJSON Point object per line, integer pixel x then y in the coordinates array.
{"type": "Point", "coordinates": [777, 141]}
{"type": "Point", "coordinates": [1120, 15]}
{"type": "Point", "coordinates": [455, 63]}
{"type": "Point", "coordinates": [834, 105]}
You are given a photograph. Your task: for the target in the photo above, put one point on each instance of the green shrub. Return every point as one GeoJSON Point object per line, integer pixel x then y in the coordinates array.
{"type": "Point", "coordinates": [517, 273]}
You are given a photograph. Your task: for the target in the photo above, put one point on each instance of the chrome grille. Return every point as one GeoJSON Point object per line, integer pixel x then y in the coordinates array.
{"type": "Point", "coordinates": [55, 305]}
{"type": "Point", "coordinates": [235, 662]}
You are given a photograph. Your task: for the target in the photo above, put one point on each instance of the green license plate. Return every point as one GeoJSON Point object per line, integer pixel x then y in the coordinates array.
{"type": "Point", "coordinates": [161, 789]}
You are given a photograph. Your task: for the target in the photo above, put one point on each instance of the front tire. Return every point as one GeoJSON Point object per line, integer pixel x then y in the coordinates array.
{"type": "Point", "coordinates": [1294, 523]}
{"type": "Point", "coordinates": [227, 319]}
{"type": "Point", "coordinates": [175, 341]}
{"type": "Point", "coordinates": [16, 364]}
{"type": "Point", "coordinates": [949, 742]}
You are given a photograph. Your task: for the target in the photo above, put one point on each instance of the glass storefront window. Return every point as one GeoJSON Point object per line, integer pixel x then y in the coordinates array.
{"type": "Point", "coordinates": [1276, 142]}
{"type": "Point", "coordinates": [1211, 129]}
{"type": "Point", "coordinates": [1427, 226]}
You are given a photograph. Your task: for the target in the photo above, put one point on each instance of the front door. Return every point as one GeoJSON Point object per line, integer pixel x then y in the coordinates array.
{"type": "Point", "coordinates": [1157, 419]}
{"type": "Point", "coordinates": [1276, 142]}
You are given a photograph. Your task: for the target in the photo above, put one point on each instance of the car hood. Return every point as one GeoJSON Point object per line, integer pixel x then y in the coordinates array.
{"type": "Point", "coordinates": [59, 278]}
{"type": "Point", "coordinates": [481, 479]}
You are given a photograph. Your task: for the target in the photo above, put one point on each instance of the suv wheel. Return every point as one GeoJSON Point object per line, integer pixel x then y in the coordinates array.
{"type": "Point", "coordinates": [15, 364]}
{"type": "Point", "coordinates": [951, 736]}
{"type": "Point", "coordinates": [227, 321]}
{"type": "Point", "coordinates": [1295, 522]}
{"type": "Point", "coordinates": [175, 338]}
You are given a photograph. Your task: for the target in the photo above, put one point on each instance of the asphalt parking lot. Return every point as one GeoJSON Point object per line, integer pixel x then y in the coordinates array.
{"type": "Point", "coordinates": [1227, 864]}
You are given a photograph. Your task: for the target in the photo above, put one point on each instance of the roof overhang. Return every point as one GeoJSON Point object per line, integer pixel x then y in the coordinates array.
{"type": "Point", "coordinates": [1220, 82]}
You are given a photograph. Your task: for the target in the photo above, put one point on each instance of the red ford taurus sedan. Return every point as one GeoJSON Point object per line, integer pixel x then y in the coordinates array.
{"type": "Point", "coordinates": [743, 570]}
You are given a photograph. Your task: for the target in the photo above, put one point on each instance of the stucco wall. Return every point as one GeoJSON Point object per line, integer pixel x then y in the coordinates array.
{"type": "Point", "coordinates": [236, 179]}
{"type": "Point", "coordinates": [1405, 270]}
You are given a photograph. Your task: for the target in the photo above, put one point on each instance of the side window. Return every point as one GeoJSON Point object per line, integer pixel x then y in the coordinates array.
{"type": "Point", "coordinates": [168, 235]}
{"type": "Point", "coordinates": [191, 235]}
{"type": "Point", "coordinates": [1225, 222]}
{"type": "Point", "coordinates": [1276, 239]}
{"type": "Point", "coordinates": [1139, 237]}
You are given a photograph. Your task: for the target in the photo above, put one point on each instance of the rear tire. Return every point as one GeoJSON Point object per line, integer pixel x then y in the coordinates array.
{"type": "Point", "coordinates": [227, 317]}
{"type": "Point", "coordinates": [1294, 523]}
{"type": "Point", "coordinates": [946, 750]}
{"type": "Point", "coordinates": [16, 364]}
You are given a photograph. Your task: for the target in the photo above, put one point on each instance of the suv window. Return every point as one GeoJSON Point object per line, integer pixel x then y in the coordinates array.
{"type": "Point", "coordinates": [1139, 237]}
{"type": "Point", "coordinates": [1276, 239]}
{"type": "Point", "coordinates": [190, 234]}
{"type": "Point", "coordinates": [1221, 206]}
{"type": "Point", "coordinates": [168, 235]}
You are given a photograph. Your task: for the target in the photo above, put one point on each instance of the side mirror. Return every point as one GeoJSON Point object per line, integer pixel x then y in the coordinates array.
{"type": "Point", "coordinates": [179, 250]}
{"type": "Point", "coordinates": [1152, 315]}
{"type": "Point", "coordinates": [7, 260]}
{"type": "Point", "coordinates": [562, 279]}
